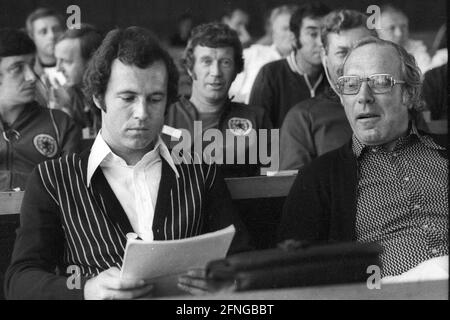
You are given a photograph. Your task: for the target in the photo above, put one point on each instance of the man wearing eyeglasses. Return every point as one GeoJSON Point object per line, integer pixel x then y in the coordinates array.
{"type": "Point", "coordinates": [389, 184]}
{"type": "Point", "coordinates": [30, 134]}
{"type": "Point", "coordinates": [318, 125]}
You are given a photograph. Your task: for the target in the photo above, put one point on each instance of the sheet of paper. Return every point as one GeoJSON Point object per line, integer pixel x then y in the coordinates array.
{"type": "Point", "coordinates": [281, 173]}
{"type": "Point", "coordinates": [162, 260]}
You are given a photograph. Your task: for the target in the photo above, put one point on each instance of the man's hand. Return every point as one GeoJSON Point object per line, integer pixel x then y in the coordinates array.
{"type": "Point", "coordinates": [195, 283]}
{"type": "Point", "coordinates": [109, 286]}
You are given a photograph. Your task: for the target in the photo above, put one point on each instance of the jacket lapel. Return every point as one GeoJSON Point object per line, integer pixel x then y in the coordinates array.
{"type": "Point", "coordinates": [102, 191]}
{"type": "Point", "coordinates": [347, 173]}
{"type": "Point", "coordinates": [163, 205]}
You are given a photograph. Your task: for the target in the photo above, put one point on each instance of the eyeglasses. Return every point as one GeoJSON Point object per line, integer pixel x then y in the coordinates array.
{"type": "Point", "coordinates": [378, 83]}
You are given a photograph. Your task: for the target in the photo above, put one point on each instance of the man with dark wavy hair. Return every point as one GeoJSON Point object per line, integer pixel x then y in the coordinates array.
{"type": "Point", "coordinates": [44, 26]}
{"type": "Point", "coordinates": [389, 183]}
{"type": "Point", "coordinates": [213, 58]}
{"type": "Point", "coordinates": [78, 209]}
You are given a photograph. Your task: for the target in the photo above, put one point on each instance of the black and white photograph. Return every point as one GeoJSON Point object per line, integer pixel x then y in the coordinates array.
{"type": "Point", "coordinates": [226, 155]}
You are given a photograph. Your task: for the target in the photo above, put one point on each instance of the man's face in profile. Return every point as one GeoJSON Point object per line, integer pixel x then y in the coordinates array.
{"type": "Point", "coordinates": [283, 37]}
{"type": "Point", "coordinates": [213, 72]}
{"type": "Point", "coordinates": [69, 61]}
{"type": "Point", "coordinates": [17, 79]}
{"type": "Point", "coordinates": [375, 118]}
{"type": "Point", "coordinates": [46, 31]}
{"type": "Point", "coordinates": [135, 101]}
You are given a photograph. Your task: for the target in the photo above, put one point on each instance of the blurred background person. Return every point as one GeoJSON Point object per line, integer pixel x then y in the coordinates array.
{"type": "Point", "coordinates": [439, 49]}
{"type": "Point", "coordinates": [266, 38]}
{"type": "Point", "coordinates": [434, 88]}
{"type": "Point", "coordinates": [238, 20]}
{"type": "Point", "coordinates": [73, 51]}
{"type": "Point", "coordinates": [44, 26]}
{"type": "Point", "coordinates": [395, 28]}
{"type": "Point", "coordinates": [257, 55]}
{"type": "Point", "coordinates": [30, 133]}
{"type": "Point", "coordinates": [184, 27]}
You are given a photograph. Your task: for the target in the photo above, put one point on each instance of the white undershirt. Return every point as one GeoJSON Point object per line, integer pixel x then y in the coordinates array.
{"type": "Point", "coordinates": [136, 187]}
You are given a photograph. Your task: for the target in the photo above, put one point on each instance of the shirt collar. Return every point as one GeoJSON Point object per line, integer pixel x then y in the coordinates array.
{"type": "Point", "coordinates": [358, 147]}
{"type": "Point", "coordinates": [100, 152]}
{"type": "Point", "coordinates": [293, 63]}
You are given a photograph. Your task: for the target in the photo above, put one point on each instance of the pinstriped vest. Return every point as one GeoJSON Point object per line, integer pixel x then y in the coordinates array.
{"type": "Point", "coordinates": [94, 223]}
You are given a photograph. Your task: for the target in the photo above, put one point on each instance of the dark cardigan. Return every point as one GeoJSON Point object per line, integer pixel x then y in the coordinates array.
{"type": "Point", "coordinates": [321, 206]}
{"type": "Point", "coordinates": [60, 212]}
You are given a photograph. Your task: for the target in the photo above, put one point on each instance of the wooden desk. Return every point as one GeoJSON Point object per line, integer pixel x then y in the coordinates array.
{"type": "Point", "coordinates": [259, 201]}
{"type": "Point", "coordinates": [430, 290]}
{"type": "Point", "coordinates": [260, 187]}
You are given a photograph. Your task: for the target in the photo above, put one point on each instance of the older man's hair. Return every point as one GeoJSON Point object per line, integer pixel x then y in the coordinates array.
{"type": "Point", "coordinates": [410, 73]}
{"type": "Point", "coordinates": [213, 35]}
{"type": "Point", "coordinates": [40, 13]}
{"type": "Point", "coordinates": [342, 20]}
{"type": "Point", "coordinates": [133, 46]}
{"type": "Point", "coordinates": [90, 39]}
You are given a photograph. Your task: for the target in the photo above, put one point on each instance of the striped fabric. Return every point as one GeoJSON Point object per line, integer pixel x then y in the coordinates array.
{"type": "Point", "coordinates": [95, 225]}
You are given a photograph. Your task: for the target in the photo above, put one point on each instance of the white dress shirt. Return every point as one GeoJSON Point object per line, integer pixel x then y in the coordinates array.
{"type": "Point", "coordinates": [136, 187]}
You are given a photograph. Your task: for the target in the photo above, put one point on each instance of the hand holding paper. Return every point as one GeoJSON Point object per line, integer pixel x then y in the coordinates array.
{"type": "Point", "coordinates": [163, 261]}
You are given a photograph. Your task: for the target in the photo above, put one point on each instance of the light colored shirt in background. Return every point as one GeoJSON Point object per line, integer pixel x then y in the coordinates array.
{"type": "Point", "coordinates": [255, 57]}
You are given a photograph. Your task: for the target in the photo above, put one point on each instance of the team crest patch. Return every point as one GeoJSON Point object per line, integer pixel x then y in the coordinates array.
{"type": "Point", "coordinates": [240, 126]}
{"type": "Point", "coordinates": [46, 145]}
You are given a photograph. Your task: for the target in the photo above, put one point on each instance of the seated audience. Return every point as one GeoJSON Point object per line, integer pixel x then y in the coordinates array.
{"type": "Point", "coordinates": [73, 51]}
{"type": "Point", "coordinates": [257, 55]}
{"type": "Point", "coordinates": [78, 209]}
{"type": "Point", "coordinates": [44, 26]}
{"type": "Point", "coordinates": [318, 125]}
{"type": "Point", "coordinates": [213, 57]}
{"type": "Point", "coordinates": [238, 20]}
{"type": "Point", "coordinates": [389, 183]}
{"type": "Point", "coordinates": [30, 134]}
{"type": "Point", "coordinates": [395, 28]}
{"type": "Point", "coordinates": [281, 84]}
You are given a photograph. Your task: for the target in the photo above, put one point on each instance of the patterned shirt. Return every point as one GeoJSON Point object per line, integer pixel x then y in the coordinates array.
{"type": "Point", "coordinates": [402, 200]}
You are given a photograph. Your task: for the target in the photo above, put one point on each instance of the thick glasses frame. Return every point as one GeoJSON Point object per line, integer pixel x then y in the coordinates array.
{"type": "Point", "coordinates": [370, 81]}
